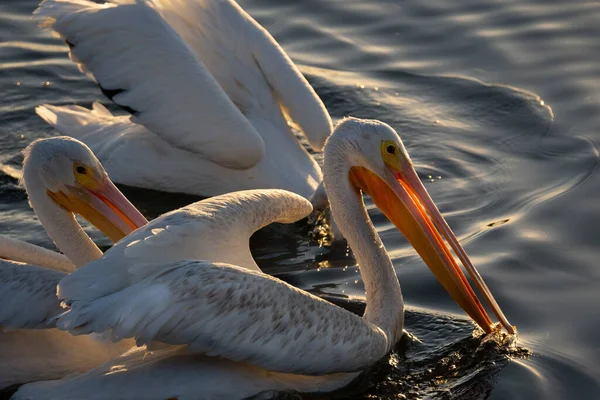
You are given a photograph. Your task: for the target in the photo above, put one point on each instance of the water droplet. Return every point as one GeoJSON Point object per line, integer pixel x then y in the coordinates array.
{"type": "Point", "coordinates": [439, 177]}
{"type": "Point", "coordinates": [376, 89]}
{"type": "Point", "coordinates": [428, 176]}
{"type": "Point", "coordinates": [18, 83]}
{"type": "Point", "coordinates": [362, 86]}
{"type": "Point", "coordinates": [47, 83]}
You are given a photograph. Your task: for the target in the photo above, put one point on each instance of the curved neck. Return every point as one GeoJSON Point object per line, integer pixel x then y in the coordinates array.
{"type": "Point", "coordinates": [385, 307]}
{"type": "Point", "coordinates": [237, 216]}
{"type": "Point", "coordinates": [60, 224]}
{"type": "Point", "coordinates": [18, 250]}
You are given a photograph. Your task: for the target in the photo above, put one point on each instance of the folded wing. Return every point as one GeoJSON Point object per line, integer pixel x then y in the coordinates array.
{"type": "Point", "coordinates": [224, 310]}
{"type": "Point", "coordinates": [215, 229]}
{"type": "Point", "coordinates": [28, 296]}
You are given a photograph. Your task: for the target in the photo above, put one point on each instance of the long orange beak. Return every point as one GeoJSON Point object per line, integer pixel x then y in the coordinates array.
{"type": "Point", "coordinates": [104, 206]}
{"type": "Point", "coordinates": [406, 203]}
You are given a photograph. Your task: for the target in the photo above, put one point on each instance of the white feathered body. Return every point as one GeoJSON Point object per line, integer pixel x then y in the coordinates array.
{"type": "Point", "coordinates": [147, 287]}
{"type": "Point", "coordinates": [31, 349]}
{"type": "Point", "coordinates": [34, 355]}
{"type": "Point", "coordinates": [134, 156]}
{"type": "Point", "coordinates": [211, 93]}
{"type": "Point", "coordinates": [173, 373]}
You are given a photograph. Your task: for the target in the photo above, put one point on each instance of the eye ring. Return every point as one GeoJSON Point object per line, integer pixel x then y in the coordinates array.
{"type": "Point", "coordinates": [390, 149]}
{"type": "Point", "coordinates": [80, 169]}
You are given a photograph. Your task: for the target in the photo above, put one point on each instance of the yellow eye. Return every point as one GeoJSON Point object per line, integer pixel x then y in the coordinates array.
{"type": "Point", "coordinates": [80, 169]}
{"type": "Point", "coordinates": [84, 175]}
{"type": "Point", "coordinates": [390, 152]}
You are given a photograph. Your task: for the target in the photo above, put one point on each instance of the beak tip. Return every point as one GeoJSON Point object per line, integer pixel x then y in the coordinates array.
{"type": "Point", "coordinates": [497, 328]}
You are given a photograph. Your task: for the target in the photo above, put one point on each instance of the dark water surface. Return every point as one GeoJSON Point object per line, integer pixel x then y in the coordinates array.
{"type": "Point", "coordinates": [498, 103]}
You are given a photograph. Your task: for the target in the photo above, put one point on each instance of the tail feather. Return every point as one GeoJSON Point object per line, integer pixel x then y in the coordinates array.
{"type": "Point", "coordinates": [101, 110]}
{"type": "Point", "coordinates": [97, 127]}
{"type": "Point", "coordinates": [47, 114]}
{"type": "Point", "coordinates": [75, 120]}
{"type": "Point", "coordinates": [49, 10]}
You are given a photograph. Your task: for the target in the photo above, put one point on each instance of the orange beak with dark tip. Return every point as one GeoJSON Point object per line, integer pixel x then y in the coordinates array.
{"type": "Point", "coordinates": [122, 208]}
{"type": "Point", "coordinates": [406, 203]}
{"type": "Point", "coordinates": [103, 205]}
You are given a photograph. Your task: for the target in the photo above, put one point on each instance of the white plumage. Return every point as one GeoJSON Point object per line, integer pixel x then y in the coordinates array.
{"type": "Point", "coordinates": [267, 334]}
{"type": "Point", "coordinates": [18, 250]}
{"type": "Point", "coordinates": [31, 348]}
{"type": "Point", "coordinates": [28, 292]}
{"type": "Point", "coordinates": [28, 296]}
{"type": "Point", "coordinates": [216, 229]}
{"type": "Point", "coordinates": [209, 90]}
{"type": "Point", "coordinates": [174, 373]}
{"type": "Point", "coordinates": [223, 310]}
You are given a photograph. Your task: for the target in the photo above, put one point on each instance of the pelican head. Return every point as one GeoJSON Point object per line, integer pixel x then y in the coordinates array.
{"type": "Point", "coordinates": [74, 179]}
{"type": "Point", "coordinates": [377, 163]}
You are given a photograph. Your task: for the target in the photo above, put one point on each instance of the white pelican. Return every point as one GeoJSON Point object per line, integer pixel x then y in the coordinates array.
{"type": "Point", "coordinates": [62, 177]}
{"type": "Point", "coordinates": [254, 333]}
{"type": "Point", "coordinates": [209, 89]}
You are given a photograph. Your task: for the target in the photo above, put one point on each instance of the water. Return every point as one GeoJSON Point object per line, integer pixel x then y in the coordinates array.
{"type": "Point", "coordinates": [498, 103]}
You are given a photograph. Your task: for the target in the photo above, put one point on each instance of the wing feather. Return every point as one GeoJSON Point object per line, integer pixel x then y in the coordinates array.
{"type": "Point", "coordinates": [247, 62]}
{"type": "Point", "coordinates": [143, 65]}
{"type": "Point", "coordinates": [227, 311]}
{"type": "Point", "coordinates": [28, 296]}
{"type": "Point", "coordinates": [295, 94]}
{"type": "Point", "coordinates": [216, 229]}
